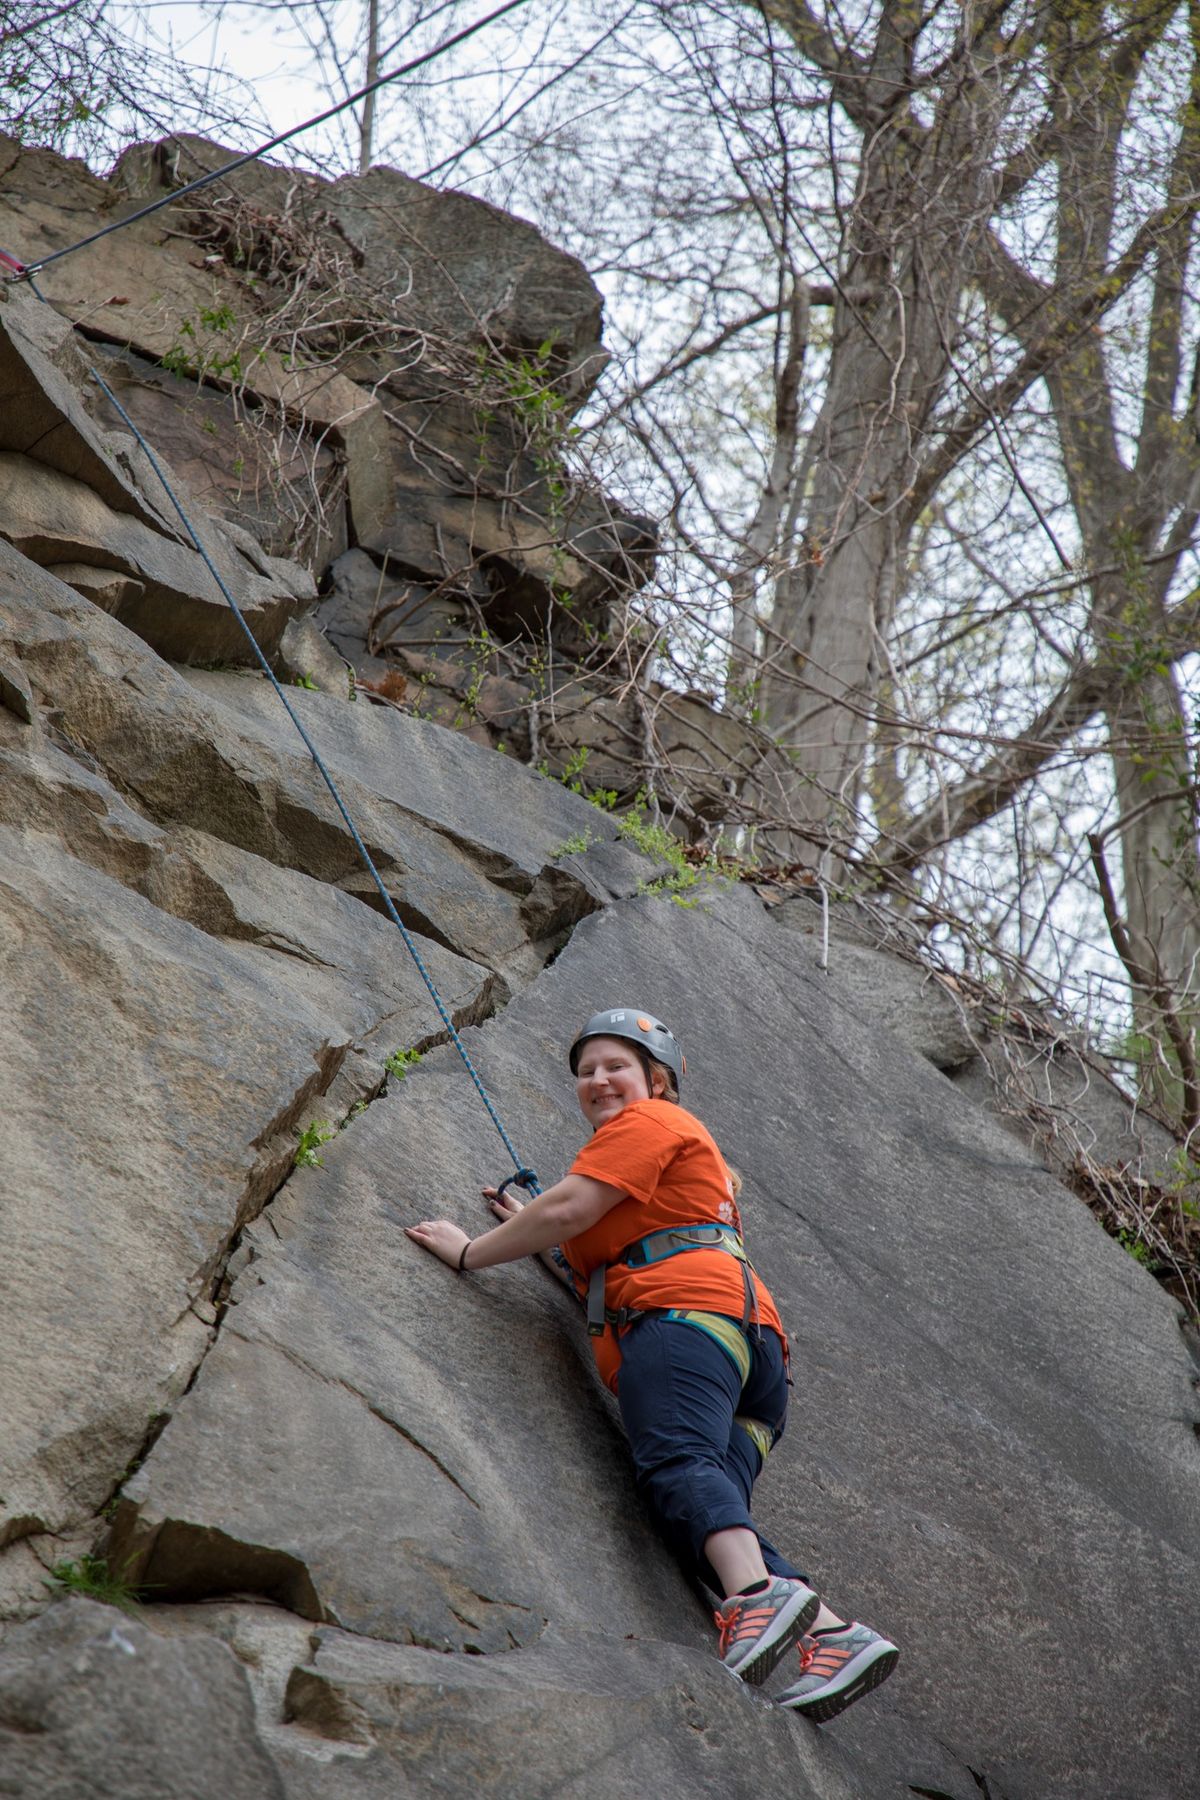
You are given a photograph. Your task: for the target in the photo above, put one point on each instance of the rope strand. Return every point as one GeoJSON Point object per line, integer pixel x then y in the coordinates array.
{"type": "Point", "coordinates": [526, 1177]}
{"type": "Point", "coordinates": [20, 271]}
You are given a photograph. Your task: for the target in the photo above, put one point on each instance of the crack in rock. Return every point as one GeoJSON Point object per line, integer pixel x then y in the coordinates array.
{"type": "Point", "coordinates": [293, 1356]}
{"type": "Point", "coordinates": [179, 1561]}
{"type": "Point", "coordinates": [25, 1525]}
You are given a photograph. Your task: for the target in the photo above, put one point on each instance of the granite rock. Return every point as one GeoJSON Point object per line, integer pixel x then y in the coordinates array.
{"type": "Point", "coordinates": [94, 1706]}
{"type": "Point", "coordinates": [992, 1455]}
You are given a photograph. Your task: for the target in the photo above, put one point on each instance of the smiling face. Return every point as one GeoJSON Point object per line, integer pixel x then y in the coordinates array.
{"type": "Point", "coordinates": [609, 1077]}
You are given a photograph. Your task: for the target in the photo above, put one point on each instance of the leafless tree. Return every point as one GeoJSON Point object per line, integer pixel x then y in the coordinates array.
{"type": "Point", "coordinates": [947, 209]}
{"type": "Point", "coordinates": [90, 77]}
{"type": "Point", "coordinates": [903, 312]}
{"type": "Point", "coordinates": [999, 402]}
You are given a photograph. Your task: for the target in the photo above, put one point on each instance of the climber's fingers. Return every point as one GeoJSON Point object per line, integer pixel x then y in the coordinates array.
{"type": "Point", "coordinates": [444, 1238]}
{"type": "Point", "coordinates": [505, 1206]}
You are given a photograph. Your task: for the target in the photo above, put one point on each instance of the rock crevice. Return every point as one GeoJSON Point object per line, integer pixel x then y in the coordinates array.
{"type": "Point", "coordinates": [386, 1537]}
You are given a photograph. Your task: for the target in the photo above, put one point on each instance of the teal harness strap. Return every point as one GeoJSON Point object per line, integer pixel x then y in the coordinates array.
{"type": "Point", "coordinates": [656, 1247]}
{"type": "Point", "coordinates": [672, 1240]}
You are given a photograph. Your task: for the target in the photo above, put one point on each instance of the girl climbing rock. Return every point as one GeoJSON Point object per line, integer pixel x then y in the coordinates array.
{"type": "Point", "coordinates": [645, 1229]}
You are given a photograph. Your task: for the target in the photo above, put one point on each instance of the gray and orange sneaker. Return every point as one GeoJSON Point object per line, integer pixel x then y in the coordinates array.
{"type": "Point", "coordinates": [837, 1668]}
{"type": "Point", "coordinates": [758, 1629]}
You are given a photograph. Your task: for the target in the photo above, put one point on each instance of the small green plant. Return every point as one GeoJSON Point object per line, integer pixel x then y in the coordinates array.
{"type": "Point", "coordinates": [1139, 1251]}
{"type": "Point", "coordinates": [311, 1139]}
{"type": "Point", "coordinates": [482, 648]}
{"type": "Point", "coordinates": [305, 681]}
{"type": "Point", "coordinates": [186, 356]}
{"type": "Point", "coordinates": [656, 841]}
{"type": "Point", "coordinates": [574, 846]}
{"type": "Point", "coordinates": [522, 391]}
{"type": "Point", "coordinates": [637, 828]}
{"type": "Point", "coordinates": [176, 360]}
{"type": "Point", "coordinates": [572, 771]}
{"type": "Point", "coordinates": [92, 1578]}
{"type": "Point", "coordinates": [400, 1062]}
{"type": "Point", "coordinates": [527, 388]}
{"type": "Point", "coordinates": [1181, 1176]}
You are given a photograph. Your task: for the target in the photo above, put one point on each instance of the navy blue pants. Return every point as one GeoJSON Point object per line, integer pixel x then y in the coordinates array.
{"type": "Point", "coordinates": [680, 1395]}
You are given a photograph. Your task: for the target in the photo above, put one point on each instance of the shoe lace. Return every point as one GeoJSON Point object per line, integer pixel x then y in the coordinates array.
{"type": "Point", "coordinates": [821, 1659]}
{"type": "Point", "coordinates": [737, 1621]}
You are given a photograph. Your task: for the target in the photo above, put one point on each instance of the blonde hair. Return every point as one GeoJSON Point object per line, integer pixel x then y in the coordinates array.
{"type": "Point", "coordinates": [651, 1065]}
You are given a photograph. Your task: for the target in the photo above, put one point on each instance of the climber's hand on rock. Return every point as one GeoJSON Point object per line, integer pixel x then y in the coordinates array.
{"type": "Point", "coordinates": [506, 1207]}
{"type": "Point", "coordinates": [439, 1235]}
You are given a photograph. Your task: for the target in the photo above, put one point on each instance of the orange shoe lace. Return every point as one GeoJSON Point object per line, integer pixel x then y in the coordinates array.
{"type": "Point", "coordinates": [820, 1658]}
{"type": "Point", "coordinates": [742, 1621]}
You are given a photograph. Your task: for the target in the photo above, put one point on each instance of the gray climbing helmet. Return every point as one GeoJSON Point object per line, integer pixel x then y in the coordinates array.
{"type": "Point", "coordinates": [640, 1028]}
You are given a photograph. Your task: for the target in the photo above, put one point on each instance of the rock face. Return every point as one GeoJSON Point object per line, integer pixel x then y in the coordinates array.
{"type": "Point", "coordinates": [90, 1695]}
{"type": "Point", "coordinates": [67, 504]}
{"type": "Point", "coordinates": [403, 431]}
{"type": "Point", "coordinates": [380, 1518]}
{"type": "Point", "coordinates": [212, 930]}
{"type": "Point", "coordinates": [439, 349]}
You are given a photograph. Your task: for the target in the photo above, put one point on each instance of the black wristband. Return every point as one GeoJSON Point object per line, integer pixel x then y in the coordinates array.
{"type": "Point", "coordinates": [462, 1257]}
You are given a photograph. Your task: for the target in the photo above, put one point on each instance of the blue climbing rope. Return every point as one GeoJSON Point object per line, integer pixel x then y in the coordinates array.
{"type": "Point", "coordinates": [524, 1177]}
{"type": "Point", "coordinates": [14, 270]}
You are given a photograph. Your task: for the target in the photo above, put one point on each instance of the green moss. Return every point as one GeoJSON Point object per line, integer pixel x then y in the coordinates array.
{"type": "Point", "coordinates": [92, 1578]}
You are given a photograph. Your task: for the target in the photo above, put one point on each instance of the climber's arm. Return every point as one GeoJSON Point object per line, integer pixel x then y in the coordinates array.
{"type": "Point", "coordinates": [554, 1260]}
{"type": "Point", "coordinates": [563, 1211]}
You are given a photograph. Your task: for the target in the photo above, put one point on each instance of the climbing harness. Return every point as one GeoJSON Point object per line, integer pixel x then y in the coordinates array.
{"type": "Point", "coordinates": [659, 1246]}
{"type": "Point", "coordinates": [733, 1337]}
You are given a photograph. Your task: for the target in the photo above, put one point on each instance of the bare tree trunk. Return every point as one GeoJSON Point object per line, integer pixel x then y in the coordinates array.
{"type": "Point", "coordinates": [1124, 513]}
{"type": "Point", "coordinates": [1156, 830]}
{"type": "Point", "coordinates": [367, 131]}
{"type": "Point", "coordinates": [922, 195]}
{"type": "Point", "coordinates": [763, 533]}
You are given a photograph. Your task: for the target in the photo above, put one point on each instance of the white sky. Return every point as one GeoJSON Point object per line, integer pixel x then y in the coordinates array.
{"type": "Point", "coordinates": [263, 47]}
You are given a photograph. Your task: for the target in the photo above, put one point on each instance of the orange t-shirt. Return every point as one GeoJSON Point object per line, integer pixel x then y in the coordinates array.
{"type": "Point", "coordinates": [672, 1174]}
